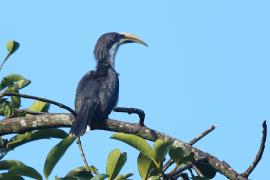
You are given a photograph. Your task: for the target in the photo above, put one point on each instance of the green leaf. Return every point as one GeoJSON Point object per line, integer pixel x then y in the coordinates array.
{"type": "Point", "coordinates": [179, 156]}
{"type": "Point", "coordinates": [70, 178]}
{"type": "Point", "coordinates": [39, 106]}
{"type": "Point", "coordinates": [144, 165]}
{"type": "Point", "coordinates": [20, 139]}
{"type": "Point", "coordinates": [55, 155]}
{"type": "Point", "coordinates": [3, 103]}
{"type": "Point", "coordinates": [120, 177]}
{"type": "Point", "coordinates": [9, 176]}
{"type": "Point", "coordinates": [94, 170]}
{"type": "Point", "coordinates": [99, 177]}
{"type": "Point", "coordinates": [49, 133]}
{"type": "Point", "coordinates": [115, 162]}
{"type": "Point", "coordinates": [127, 175]}
{"type": "Point", "coordinates": [14, 82]}
{"type": "Point", "coordinates": [161, 148]}
{"type": "Point", "coordinates": [136, 142]}
{"type": "Point", "coordinates": [19, 169]}
{"type": "Point", "coordinates": [154, 178]}
{"type": "Point", "coordinates": [15, 100]}
{"type": "Point", "coordinates": [8, 110]}
{"type": "Point", "coordinates": [7, 164]}
{"type": "Point", "coordinates": [80, 172]}
{"type": "Point", "coordinates": [23, 83]}
{"type": "Point", "coordinates": [206, 170]}
{"type": "Point", "coordinates": [124, 177]}
{"type": "Point", "coordinates": [154, 171]}
{"type": "Point", "coordinates": [10, 80]}
{"type": "Point", "coordinates": [12, 46]}
{"type": "Point", "coordinates": [24, 170]}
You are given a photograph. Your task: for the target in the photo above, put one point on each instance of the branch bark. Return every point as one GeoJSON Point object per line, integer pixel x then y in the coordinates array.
{"type": "Point", "coordinates": [53, 120]}
{"type": "Point", "coordinates": [259, 153]}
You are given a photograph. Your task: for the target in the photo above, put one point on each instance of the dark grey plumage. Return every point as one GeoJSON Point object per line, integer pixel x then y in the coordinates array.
{"type": "Point", "coordinates": [97, 91]}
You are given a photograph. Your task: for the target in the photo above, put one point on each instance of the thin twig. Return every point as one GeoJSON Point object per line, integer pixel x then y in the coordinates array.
{"type": "Point", "coordinates": [184, 176]}
{"type": "Point", "coordinates": [167, 165]}
{"type": "Point", "coordinates": [139, 112]}
{"type": "Point", "coordinates": [40, 99]}
{"type": "Point", "coordinates": [83, 154]}
{"type": "Point", "coordinates": [259, 153]}
{"type": "Point", "coordinates": [203, 134]}
{"type": "Point", "coordinates": [3, 147]}
{"type": "Point", "coordinates": [191, 172]}
{"type": "Point", "coordinates": [192, 142]}
{"type": "Point", "coordinates": [178, 171]}
{"type": "Point", "coordinates": [6, 58]}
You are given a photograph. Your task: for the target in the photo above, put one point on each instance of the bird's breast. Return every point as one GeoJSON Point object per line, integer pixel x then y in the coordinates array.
{"type": "Point", "coordinates": [108, 93]}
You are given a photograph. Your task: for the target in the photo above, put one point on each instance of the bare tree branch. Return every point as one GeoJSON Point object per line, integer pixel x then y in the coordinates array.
{"type": "Point", "coordinates": [193, 141]}
{"type": "Point", "coordinates": [83, 154]}
{"type": "Point", "coordinates": [40, 99]}
{"type": "Point", "coordinates": [176, 173]}
{"type": "Point", "coordinates": [167, 165]}
{"type": "Point", "coordinates": [49, 120]}
{"type": "Point", "coordinates": [202, 135]}
{"type": "Point", "coordinates": [260, 152]}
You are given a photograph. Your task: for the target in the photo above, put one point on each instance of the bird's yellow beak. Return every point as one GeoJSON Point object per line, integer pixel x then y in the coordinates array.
{"type": "Point", "coordinates": [132, 38]}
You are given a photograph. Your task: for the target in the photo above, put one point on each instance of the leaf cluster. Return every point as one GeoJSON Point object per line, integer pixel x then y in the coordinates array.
{"type": "Point", "coordinates": [151, 160]}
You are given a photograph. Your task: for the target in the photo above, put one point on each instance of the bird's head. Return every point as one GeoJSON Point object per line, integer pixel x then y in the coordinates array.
{"type": "Point", "coordinates": [107, 45]}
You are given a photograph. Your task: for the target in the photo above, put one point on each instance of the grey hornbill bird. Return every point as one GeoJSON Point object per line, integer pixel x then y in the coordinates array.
{"type": "Point", "coordinates": [97, 91]}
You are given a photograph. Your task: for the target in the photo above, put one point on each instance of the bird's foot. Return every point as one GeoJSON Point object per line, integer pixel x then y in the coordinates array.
{"type": "Point", "coordinates": [139, 112]}
{"type": "Point", "coordinates": [141, 123]}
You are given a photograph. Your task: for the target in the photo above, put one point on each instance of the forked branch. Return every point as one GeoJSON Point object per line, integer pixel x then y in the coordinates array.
{"type": "Point", "coordinates": [51, 120]}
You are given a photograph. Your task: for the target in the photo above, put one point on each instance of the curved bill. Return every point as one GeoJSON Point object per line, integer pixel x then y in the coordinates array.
{"type": "Point", "coordinates": [132, 38]}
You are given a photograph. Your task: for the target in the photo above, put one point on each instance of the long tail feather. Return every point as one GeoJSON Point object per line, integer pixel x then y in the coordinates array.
{"type": "Point", "coordinates": [83, 118]}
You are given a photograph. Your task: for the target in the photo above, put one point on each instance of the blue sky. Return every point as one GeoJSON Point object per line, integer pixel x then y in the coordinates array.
{"type": "Point", "coordinates": [207, 64]}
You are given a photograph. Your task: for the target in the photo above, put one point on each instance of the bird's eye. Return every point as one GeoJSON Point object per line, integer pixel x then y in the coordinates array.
{"type": "Point", "coordinates": [116, 36]}
{"type": "Point", "coordinates": [120, 36]}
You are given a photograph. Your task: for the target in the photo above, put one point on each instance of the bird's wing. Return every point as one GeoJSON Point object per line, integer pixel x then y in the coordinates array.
{"type": "Point", "coordinates": [81, 88]}
{"type": "Point", "coordinates": [84, 116]}
{"type": "Point", "coordinates": [86, 103]}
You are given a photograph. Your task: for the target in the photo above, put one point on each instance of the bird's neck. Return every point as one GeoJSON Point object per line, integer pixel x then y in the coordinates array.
{"type": "Point", "coordinates": [103, 68]}
{"type": "Point", "coordinates": [107, 61]}
{"type": "Point", "coordinates": [105, 55]}
{"type": "Point", "coordinates": [112, 54]}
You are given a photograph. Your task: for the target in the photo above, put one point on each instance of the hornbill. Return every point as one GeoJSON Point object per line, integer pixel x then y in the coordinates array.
{"type": "Point", "coordinates": [97, 91]}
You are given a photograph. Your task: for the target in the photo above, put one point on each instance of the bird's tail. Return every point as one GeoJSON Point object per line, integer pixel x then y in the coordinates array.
{"type": "Point", "coordinates": [83, 118]}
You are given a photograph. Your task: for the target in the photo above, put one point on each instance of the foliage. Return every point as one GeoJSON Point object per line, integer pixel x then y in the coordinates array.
{"type": "Point", "coordinates": [55, 154]}
{"type": "Point", "coordinates": [150, 161]}
{"type": "Point", "coordinates": [11, 46]}
{"type": "Point", "coordinates": [18, 169]}
{"type": "Point", "coordinates": [115, 162]}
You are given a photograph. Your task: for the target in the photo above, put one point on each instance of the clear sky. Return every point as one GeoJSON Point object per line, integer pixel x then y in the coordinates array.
{"type": "Point", "coordinates": [207, 64]}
